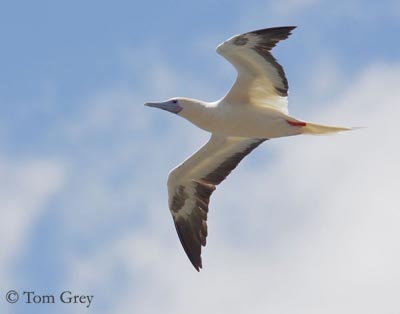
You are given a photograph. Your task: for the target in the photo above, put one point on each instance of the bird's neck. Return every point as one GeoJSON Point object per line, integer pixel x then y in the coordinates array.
{"type": "Point", "coordinates": [199, 113]}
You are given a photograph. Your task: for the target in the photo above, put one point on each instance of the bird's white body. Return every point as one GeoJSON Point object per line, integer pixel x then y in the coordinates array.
{"type": "Point", "coordinates": [253, 121]}
{"type": "Point", "coordinates": [253, 111]}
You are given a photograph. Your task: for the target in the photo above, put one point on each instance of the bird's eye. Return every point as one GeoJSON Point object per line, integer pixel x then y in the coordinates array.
{"type": "Point", "coordinates": [174, 101]}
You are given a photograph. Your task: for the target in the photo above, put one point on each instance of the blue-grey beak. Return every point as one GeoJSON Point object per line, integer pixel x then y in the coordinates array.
{"type": "Point", "coordinates": [171, 106]}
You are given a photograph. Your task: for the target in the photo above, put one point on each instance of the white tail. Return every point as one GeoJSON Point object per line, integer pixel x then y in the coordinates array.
{"type": "Point", "coordinates": [311, 128]}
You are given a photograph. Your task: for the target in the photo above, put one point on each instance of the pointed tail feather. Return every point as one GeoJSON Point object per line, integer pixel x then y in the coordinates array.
{"type": "Point", "coordinates": [315, 129]}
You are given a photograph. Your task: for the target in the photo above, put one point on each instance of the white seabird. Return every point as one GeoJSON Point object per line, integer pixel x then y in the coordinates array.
{"type": "Point", "coordinates": [254, 110]}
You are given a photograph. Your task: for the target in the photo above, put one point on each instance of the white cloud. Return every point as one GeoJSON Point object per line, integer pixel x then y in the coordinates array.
{"type": "Point", "coordinates": [25, 188]}
{"type": "Point", "coordinates": [311, 227]}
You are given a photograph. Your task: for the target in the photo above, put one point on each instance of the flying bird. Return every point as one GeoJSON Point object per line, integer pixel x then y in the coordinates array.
{"type": "Point", "coordinates": [253, 111]}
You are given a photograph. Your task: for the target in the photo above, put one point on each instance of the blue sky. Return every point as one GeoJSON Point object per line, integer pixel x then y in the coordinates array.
{"type": "Point", "coordinates": [84, 163]}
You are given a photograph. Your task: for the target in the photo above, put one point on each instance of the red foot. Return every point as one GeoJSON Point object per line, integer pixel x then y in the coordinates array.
{"type": "Point", "coordinates": [296, 123]}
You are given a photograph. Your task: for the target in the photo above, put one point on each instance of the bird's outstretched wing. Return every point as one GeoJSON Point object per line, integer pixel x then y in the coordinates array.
{"type": "Point", "coordinates": [191, 184]}
{"type": "Point", "coordinates": [261, 79]}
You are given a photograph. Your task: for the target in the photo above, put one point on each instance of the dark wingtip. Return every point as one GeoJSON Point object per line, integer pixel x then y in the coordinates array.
{"type": "Point", "coordinates": [189, 244]}
{"type": "Point", "coordinates": [282, 32]}
{"type": "Point", "coordinates": [197, 267]}
{"type": "Point", "coordinates": [290, 28]}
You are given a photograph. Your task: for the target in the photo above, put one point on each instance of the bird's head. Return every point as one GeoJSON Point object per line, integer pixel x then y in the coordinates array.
{"type": "Point", "coordinates": [173, 105]}
{"type": "Point", "coordinates": [184, 107]}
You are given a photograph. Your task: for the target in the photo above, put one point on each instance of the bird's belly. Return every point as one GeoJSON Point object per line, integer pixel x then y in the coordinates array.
{"type": "Point", "coordinates": [264, 123]}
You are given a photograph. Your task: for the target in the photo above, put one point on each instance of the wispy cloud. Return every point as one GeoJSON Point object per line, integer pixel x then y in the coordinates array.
{"type": "Point", "coordinates": [26, 186]}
